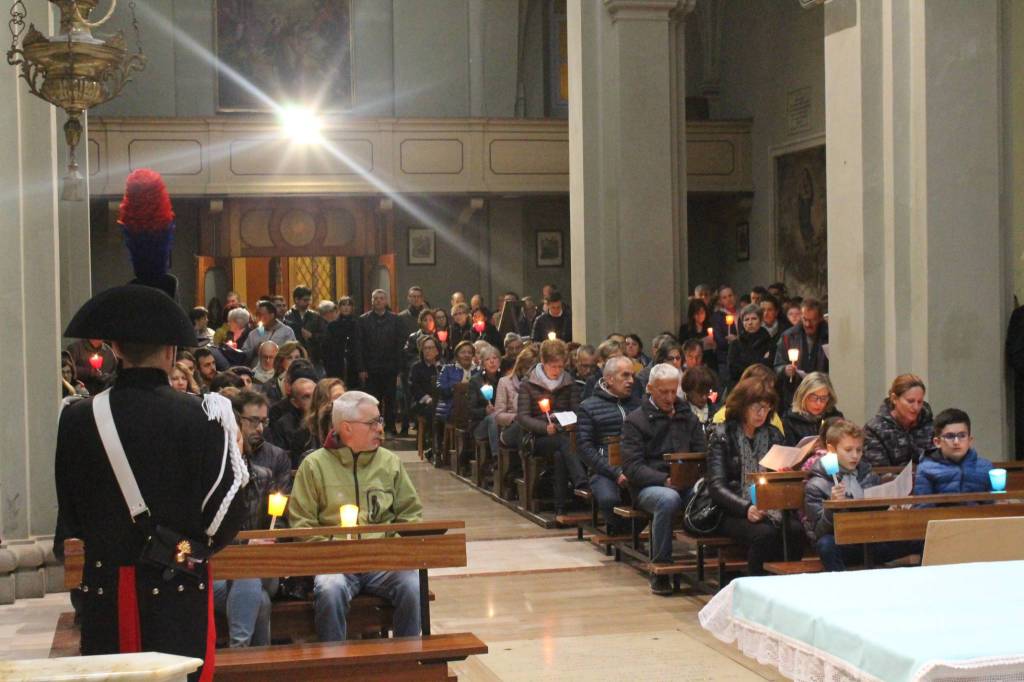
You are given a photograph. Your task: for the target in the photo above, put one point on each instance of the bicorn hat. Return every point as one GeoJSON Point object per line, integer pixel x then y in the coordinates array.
{"type": "Point", "coordinates": [133, 313]}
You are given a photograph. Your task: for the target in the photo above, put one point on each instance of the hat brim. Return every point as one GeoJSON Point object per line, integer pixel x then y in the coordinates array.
{"type": "Point", "coordinates": [133, 313]}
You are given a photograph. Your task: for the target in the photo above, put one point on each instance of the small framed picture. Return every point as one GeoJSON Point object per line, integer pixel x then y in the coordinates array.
{"type": "Point", "coordinates": [743, 242]}
{"type": "Point", "coordinates": [549, 249]}
{"type": "Point", "coordinates": [422, 246]}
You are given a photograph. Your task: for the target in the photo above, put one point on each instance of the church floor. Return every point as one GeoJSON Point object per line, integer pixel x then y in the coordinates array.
{"type": "Point", "coordinates": [548, 607]}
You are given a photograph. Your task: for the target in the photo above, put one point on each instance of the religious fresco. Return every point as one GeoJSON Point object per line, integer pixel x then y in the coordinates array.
{"type": "Point", "coordinates": [293, 51]}
{"type": "Point", "coordinates": [801, 222]}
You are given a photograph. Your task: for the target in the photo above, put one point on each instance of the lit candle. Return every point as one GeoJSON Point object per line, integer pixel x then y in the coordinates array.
{"type": "Point", "coordinates": [729, 319]}
{"type": "Point", "coordinates": [552, 336]}
{"type": "Point", "coordinates": [479, 326]}
{"type": "Point", "coordinates": [442, 335]}
{"type": "Point", "coordinates": [487, 391]}
{"type": "Point", "coordinates": [545, 407]}
{"type": "Point", "coordinates": [711, 332]}
{"type": "Point", "coordinates": [349, 515]}
{"type": "Point", "coordinates": [96, 361]}
{"type": "Point", "coordinates": [713, 396]}
{"type": "Point", "coordinates": [794, 355]}
{"type": "Point", "coordinates": [231, 344]}
{"type": "Point", "coordinates": [275, 507]}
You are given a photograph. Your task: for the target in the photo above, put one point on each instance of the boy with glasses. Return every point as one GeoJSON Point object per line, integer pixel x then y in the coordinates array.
{"type": "Point", "coordinates": [954, 467]}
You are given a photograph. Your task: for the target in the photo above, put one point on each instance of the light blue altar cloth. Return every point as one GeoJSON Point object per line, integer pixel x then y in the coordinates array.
{"type": "Point", "coordinates": [891, 622]}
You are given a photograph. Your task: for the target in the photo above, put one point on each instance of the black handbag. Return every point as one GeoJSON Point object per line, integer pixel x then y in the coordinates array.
{"type": "Point", "coordinates": [701, 516]}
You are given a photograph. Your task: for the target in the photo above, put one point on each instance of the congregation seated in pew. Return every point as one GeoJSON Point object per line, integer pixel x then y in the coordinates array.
{"type": "Point", "coordinates": [735, 449]}
{"type": "Point", "coordinates": [662, 424]}
{"type": "Point", "coordinates": [813, 404]}
{"type": "Point", "coordinates": [846, 440]}
{"type": "Point", "coordinates": [352, 468]}
{"type": "Point", "coordinates": [953, 466]}
{"type": "Point", "coordinates": [600, 417]}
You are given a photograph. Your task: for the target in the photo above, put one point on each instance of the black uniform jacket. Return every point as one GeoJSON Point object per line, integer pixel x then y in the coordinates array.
{"type": "Point", "coordinates": [179, 459]}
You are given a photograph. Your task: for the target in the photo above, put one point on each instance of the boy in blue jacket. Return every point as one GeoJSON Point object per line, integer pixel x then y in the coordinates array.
{"type": "Point", "coordinates": [955, 466]}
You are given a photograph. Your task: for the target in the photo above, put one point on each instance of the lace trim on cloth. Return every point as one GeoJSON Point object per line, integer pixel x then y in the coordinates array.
{"type": "Point", "coordinates": [804, 663]}
{"type": "Point", "coordinates": [796, 660]}
{"type": "Point", "coordinates": [218, 408]}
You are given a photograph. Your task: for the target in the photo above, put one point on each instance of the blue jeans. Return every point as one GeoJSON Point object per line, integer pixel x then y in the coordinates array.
{"type": "Point", "coordinates": [333, 594]}
{"type": "Point", "coordinates": [836, 557]}
{"type": "Point", "coordinates": [663, 503]}
{"type": "Point", "coordinates": [488, 429]}
{"type": "Point", "coordinates": [607, 495]}
{"type": "Point", "coordinates": [246, 604]}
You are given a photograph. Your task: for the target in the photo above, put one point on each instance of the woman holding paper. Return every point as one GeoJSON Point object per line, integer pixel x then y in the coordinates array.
{"type": "Point", "coordinates": [734, 451]}
{"type": "Point", "coordinates": [547, 390]}
{"type": "Point", "coordinates": [813, 403]}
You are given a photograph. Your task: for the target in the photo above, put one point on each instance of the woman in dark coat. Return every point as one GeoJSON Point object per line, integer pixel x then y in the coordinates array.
{"type": "Point", "coordinates": [753, 346]}
{"type": "Point", "coordinates": [423, 383]}
{"type": "Point", "coordinates": [901, 432]}
{"type": "Point", "coordinates": [443, 334]}
{"type": "Point", "coordinates": [696, 327]}
{"type": "Point", "coordinates": [813, 403]}
{"type": "Point", "coordinates": [734, 450]}
{"type": "Point", "coordinates": [341, 345]}
{"type": "Point", "coordinates": [549, 385]}
{"type": "Point", "coordinates": [481, 328]}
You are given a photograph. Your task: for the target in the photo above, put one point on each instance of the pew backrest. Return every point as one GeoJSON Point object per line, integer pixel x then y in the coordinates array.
{"type": "Point", "coordinates": [962, 541]}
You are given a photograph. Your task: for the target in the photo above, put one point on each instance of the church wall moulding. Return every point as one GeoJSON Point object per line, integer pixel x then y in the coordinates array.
{"type": "Point", "coordinates": [246, 156]}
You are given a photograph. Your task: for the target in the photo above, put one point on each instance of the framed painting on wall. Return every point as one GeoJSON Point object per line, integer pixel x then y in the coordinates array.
{"type": "Point", "coordinates": [801, 228]}
{"type": "Point", "coordinates": [277, 52]}
{"type": "Point", "coordinates": [549, 249]}
{"type": "Point", "coordinates": [422, 246]}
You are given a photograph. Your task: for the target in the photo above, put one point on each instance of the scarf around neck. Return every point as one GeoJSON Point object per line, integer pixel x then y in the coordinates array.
{"type": "Point", "coordinates": [541, 378]}
{"type": "Point", "coordinates": [750, 454]}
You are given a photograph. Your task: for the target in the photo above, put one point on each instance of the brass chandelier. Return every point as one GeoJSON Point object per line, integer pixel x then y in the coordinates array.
{"type": "Point", "coordinates": [73, 70]}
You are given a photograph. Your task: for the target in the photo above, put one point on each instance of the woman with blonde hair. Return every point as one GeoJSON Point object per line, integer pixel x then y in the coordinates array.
{"type": "Point", "coordinates": [813, 403]}
{"type": "Point", "coordinates": [181, 379]}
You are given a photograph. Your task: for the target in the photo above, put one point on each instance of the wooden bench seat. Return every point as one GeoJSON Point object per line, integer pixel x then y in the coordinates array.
{"type": "Point", "coordinates": [808, 565]}
{"type": "Point", "coordinates": [402, 658]}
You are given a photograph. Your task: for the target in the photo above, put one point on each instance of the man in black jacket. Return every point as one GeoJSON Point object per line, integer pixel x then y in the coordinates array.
{"type": "Point", "coordinates": [409, 319]}
{"type": "Point", "coordinates": [808, 340]}
{"type": "Point", "coordinates": [182, 452]}
{"type": "Point", "coordinates": [252, 410]}
{"type": "Point", "coordinates": [381, 339]}
{"type": "Point", "coordinates": [288, 415]}
{"type": "Point", "coordinates": [662, 424]}
{"type": "Point", "coordinates": [600, 417]}
{"type": "Point", "coordinates": [556, 320]}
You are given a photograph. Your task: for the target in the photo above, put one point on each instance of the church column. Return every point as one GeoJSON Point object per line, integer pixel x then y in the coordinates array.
{"type": "Point", "coordinates": [917, 275]}
{"type": "Point", "coordinates": [30, 333]}
{"type": "Point", "coordinates": [627, 171]}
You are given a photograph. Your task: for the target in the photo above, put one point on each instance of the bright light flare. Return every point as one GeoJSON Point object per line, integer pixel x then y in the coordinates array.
{"type": "Point", "coordinates": [301, 125]}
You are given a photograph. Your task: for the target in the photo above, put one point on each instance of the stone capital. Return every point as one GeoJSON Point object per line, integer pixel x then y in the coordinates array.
{"type": "Point", "coordinates": [649, 10]}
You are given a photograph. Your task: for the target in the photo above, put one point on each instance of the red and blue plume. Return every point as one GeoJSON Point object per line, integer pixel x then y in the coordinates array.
{"type": "Point", "coordinates": [147, 222]}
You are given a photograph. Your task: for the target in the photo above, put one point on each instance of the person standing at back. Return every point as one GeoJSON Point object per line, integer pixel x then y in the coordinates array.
{"type": "Point", "coordinates": [175, 501]}
{"type": "Point", "coordinates": [381, 338]}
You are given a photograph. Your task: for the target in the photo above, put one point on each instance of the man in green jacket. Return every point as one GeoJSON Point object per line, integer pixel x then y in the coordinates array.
{"type": "Point", "coordinates": [352, 468]}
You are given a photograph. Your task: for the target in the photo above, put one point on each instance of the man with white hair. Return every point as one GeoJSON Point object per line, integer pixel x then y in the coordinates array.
{"type": "Point", "coordinates": [662, 424]}
{"type": "Point", "coordinates": [353, 468]}
{"type": "Point", "coordinates": [600, 417]}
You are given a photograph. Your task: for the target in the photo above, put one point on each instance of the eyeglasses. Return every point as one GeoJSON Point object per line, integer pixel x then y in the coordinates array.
{"type": "Point", "coordinates": [760, 408]}
{"type": "Point", "coordinates": [674, 358]}
{"type": "Point", "coordinates": [818, 399]}
{"type": "Point", "coordinates": [256, 421]}
{"type": "Point", "coordinates": [954, 437]}
{"type": "Point", "coordinates": [379, 421]}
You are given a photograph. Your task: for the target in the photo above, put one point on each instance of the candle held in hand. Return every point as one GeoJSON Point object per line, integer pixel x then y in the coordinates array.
{"type": "Point", "coordinates": [276, 504]}
{"type": "Point", "coordinates": [711, 332]}
{"type": "Point", "coordinates": [794, 355]}
{"type": "Point", "coordinates": [487, 391]}
{"type": "Point", "coordinates": [349, 516]}
{"type": "Point", "coordinates": [442, 335]}
{"type": "Point", "coordinates": [552, 336]}
{"type": "Point", "coordinates": [729, 319]}
{"type": "Point", "coordinates": [713, 396]}
{"type": "Point", "coordinates": [479, 326]}
{"type": "Point", "coordinates": [96, 361]}
{"type": "Point", "coordinates": [545, 405]}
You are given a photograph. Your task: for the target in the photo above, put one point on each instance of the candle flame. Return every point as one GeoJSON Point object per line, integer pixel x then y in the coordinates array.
{"type": "Point", "coordinates": [552, 336]}
{"type": "Point", "coordinates": [276, 504]}
{"type": "Point", "coordinates": [349, 515]}
{"type": "Point", "coordinates": [545, 405]}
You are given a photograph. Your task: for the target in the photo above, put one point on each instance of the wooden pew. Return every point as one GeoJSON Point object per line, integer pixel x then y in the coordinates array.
{"type": "Point", "coordinates": [421, 546]}
{"type": "Point", "coordinates": [960, 541]}
{"type": "Point", "coordinates": [455, 429]}
{"type": "Point", "coordinates": [401, 658]}
{"type": "Point", "coordinates": [874, 522]}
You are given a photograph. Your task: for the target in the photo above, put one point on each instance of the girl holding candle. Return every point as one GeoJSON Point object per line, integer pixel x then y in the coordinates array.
{"type": "Point", "coordinates": [549, 389]}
